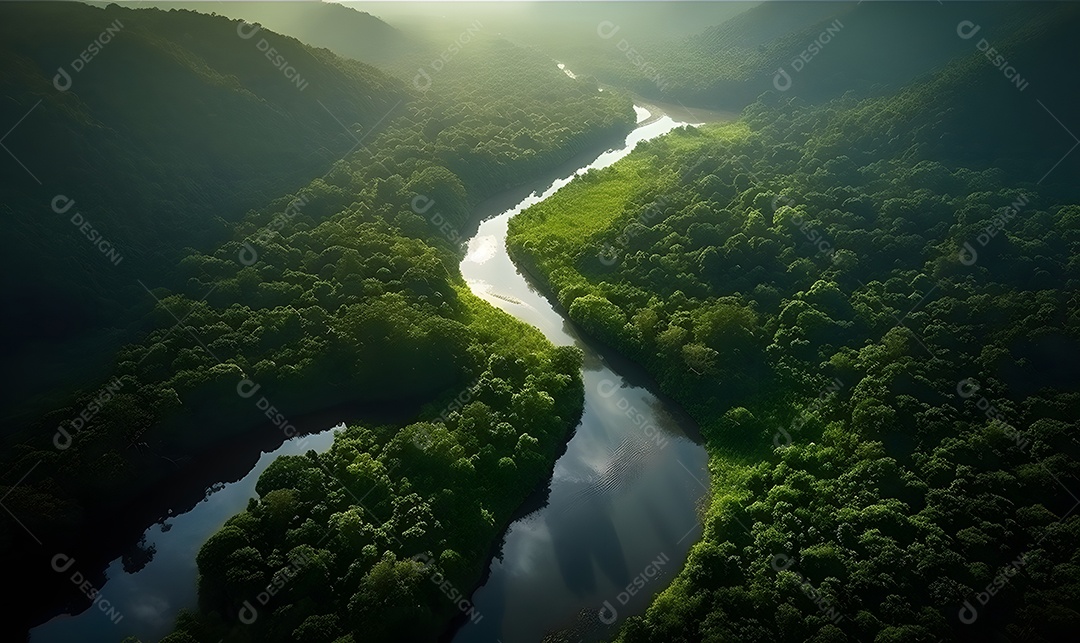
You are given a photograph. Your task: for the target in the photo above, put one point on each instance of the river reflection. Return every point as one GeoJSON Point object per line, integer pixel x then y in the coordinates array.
{"type": "Point", "coordinates": [621, 499]}
{"type": "Point", "coordinates": [148, 598]}
{"type": "Point", "coordinates": [621, 507]}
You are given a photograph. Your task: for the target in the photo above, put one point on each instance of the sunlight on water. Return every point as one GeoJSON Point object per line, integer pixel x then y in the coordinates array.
{"type": "Point", "coordinates": [482, 249]}
{"type": "Point", "coordinates": [150, 597]}
{"type": "Point", "coordinates": [629, 472]}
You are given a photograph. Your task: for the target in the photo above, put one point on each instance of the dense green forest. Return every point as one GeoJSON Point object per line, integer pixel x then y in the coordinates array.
{"type": "Point", "coordinates": [231, 218]}
{"type": "Point", "coordinates": [345, 31]}
{"type": "Point", "coordinates": [875, 325]}
{"type": "Point", "coordinates": [343, 291]}
{"type": "Point", "coordinates": [107, 146]}
{"type": "Point", "coordinates": [814, 50]}
{"type": "Point", "coordinates": [375, 518]}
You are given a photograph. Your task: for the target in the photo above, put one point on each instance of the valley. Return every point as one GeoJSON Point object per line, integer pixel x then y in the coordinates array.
{"type": "Point", "coordinates": [538, 322]}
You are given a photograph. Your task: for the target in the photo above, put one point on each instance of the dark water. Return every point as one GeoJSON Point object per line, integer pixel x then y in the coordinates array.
{"type": "Point", "coordinates": [621, 506]}
{"type": "Point", "coordinates": [148, 600]}
{"type": "Point", "coordinates": [621, 512]}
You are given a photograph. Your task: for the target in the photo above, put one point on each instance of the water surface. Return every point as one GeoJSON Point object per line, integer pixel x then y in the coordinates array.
{"type": "Point", "coordinates": [621, 510]}
{"type": "Point", "coordinates": [621, 501]}
{"type": "Point", "coordinates": [148, 597]}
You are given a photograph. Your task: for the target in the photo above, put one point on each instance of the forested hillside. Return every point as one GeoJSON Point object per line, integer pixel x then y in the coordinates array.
{"type": "Point", "coordinates": [234, 223]}
{"type": "Point", "coordinates": [873, 322]}
{"type": "Point", "coordinates": [341, 292]}
{"type": "Point", "coordinates": [343, 30]}
{"type": "Point", "coordinates": [118, 194]}
{"type": "Point", "coordinates": [814, 50]}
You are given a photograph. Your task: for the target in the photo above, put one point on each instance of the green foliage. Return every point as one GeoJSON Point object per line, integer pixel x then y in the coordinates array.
{"type": "Point", "coordinates": [174, 129]}
{"type": "Point", "coordinates": [344, 290]}
{"type": "Point", "coordinates": [812, 312]}
{"type": "Point", "coordinates": [399, 491]}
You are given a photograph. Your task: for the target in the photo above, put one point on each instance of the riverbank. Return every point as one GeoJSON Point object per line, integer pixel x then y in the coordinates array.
{"type": "Point", "coordinates": [629, 479]}
{"type": "Point", "coordinates": [185, 479]}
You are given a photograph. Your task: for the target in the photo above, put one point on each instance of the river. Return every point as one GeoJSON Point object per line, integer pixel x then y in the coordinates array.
{"type": "Point", "coordinates": [620, 510]}
{"type": "Point", "coordinates": [148, 598]}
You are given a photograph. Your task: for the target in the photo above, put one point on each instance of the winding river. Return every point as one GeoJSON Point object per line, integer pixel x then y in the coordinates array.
{"type": "Point", "coordinates": [620, 512]}
{"type": "Point", "coordinates": [610, 531]}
